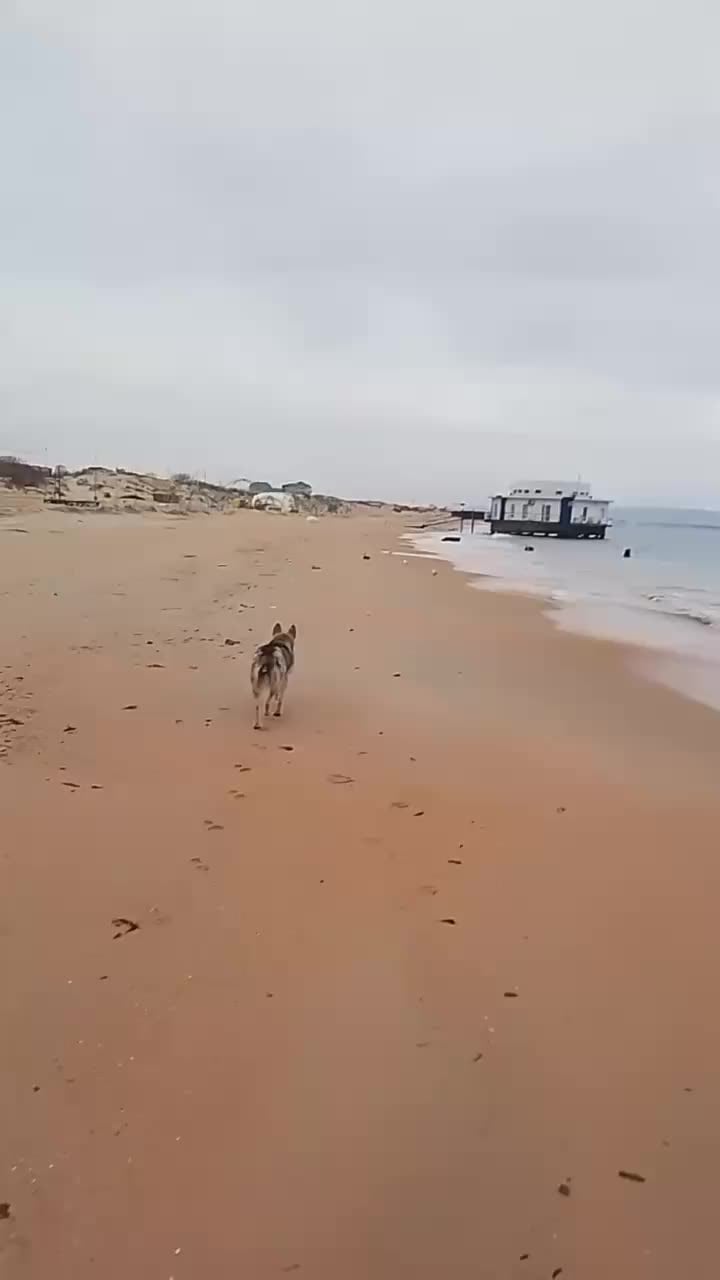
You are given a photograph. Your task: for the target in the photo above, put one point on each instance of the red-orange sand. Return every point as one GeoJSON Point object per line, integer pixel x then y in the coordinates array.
{"type": "Point", "coordinates": [390, 989]}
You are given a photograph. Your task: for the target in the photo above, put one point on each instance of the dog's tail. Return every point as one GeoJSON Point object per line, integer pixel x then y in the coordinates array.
{"type": "Point", "coordinates": [263, 667]}
{"type": "Point", "coordinates": [267, 680]}
{"type": "Point", "coordinates": [265, 658]}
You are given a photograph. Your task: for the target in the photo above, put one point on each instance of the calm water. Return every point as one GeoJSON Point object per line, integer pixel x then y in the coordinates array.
{"type": "Point", "coordinates": [666, 597]}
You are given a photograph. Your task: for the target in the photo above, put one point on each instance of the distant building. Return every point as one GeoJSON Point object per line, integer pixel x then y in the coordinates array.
{"type": "Point", "coordinates": [260, 486]}
{"type": "Point", "coordinates": [299, 487]}
{"type": "Point", "coordinates": [559, 508]}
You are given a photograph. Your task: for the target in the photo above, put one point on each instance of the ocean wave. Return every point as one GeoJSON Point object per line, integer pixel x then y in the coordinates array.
{"type": "Point", "coordinates": [603, 595]}
{"type": "Point", "coordinates": [684, 612]}
{"type": "Point", "coordinates": [701, 618]}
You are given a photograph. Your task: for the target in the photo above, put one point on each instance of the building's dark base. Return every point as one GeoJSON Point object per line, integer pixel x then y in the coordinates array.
{"type": "Point", "coordinates": [545, 529]}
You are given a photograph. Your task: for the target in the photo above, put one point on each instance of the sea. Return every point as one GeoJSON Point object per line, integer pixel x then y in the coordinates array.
{"type": "Point", "coordinates": [664, 599]}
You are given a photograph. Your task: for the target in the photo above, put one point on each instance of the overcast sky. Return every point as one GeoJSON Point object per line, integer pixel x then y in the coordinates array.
{"type": "Point", "coordinates": [401, 248]}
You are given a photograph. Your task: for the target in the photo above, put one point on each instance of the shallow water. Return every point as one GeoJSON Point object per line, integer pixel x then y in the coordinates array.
{"type": "Point", "coordinates": [665, 598]}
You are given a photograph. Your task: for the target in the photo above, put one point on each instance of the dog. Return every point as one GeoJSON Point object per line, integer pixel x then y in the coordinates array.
{"type": "Point", "coordinates": [271, 667]}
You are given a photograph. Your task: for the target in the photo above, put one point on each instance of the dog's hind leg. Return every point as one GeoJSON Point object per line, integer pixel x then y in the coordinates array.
{"type": "Point", "coordinates": [280, 697]}
{"type": "Point", "coordinates": [259, 693]}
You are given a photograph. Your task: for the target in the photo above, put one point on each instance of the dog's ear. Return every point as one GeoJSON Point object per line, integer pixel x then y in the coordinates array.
{"type": "Point", "coordinates": [293, 631]}
{"type": "Point", "coordinates": [277, 629]}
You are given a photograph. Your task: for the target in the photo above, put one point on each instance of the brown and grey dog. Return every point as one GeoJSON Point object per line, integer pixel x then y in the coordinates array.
{"type": "Point", "coordinates": [271, 667]}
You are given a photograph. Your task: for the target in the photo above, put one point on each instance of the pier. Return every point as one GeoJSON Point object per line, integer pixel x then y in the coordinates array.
{"type": "Point", "coordinates": [468, 515]}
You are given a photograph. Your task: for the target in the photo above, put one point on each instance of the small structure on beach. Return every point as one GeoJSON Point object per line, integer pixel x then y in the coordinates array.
{"type": "Point", "coordinates": [551, 508]}
{"type": "Point", "coordinates": [300, 488]}
{"type": "Point", "coordinates": [274, 501]}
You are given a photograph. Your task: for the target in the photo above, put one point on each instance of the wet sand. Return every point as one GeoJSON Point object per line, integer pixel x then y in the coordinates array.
{"type": "Point", "coordinates": [437, 945]}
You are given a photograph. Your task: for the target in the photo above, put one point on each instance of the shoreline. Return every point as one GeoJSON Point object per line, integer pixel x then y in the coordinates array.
{"type": "Point", "coordinates": [656, 643]}
{"type": "Point", "coordinates": [441, 940]}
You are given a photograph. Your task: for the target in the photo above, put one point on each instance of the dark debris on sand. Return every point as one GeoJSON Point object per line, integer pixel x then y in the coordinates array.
{"type": "Point", "coordinates": [124, 926]}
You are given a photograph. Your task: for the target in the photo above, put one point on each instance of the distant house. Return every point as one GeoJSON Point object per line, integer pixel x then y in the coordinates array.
{"type": "Point", "coordinates": [299, 487]}
{"type": "Point", "coordinates": [260, 486]}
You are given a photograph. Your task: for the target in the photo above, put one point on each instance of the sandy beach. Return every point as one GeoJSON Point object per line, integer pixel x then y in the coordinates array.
{"type": "Point", "coordinates": [404, 986]}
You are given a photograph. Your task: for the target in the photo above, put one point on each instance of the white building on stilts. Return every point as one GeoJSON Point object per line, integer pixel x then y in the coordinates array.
{"type": "Point", "coordinates": [554, 508]}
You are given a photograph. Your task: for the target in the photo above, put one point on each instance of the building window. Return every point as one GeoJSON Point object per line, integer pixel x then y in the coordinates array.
{"type": "Point", "coordinates": [558, 493]}
{"type": "Point", "coordinates": [511, 511]}
{"type": "Point", "coordinates": [546, 512]}
{"type": "Point", "coordinates": [525, 511]}
{"type": "Point", "coordinates": [584, 513]}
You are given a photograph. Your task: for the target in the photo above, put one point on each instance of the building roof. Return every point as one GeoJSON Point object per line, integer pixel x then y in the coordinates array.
{"type": "Point", "coordinates": [541, 489]}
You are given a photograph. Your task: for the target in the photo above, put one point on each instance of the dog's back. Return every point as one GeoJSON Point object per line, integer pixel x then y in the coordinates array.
{"type": "Point", "coordinates": [271, 667]}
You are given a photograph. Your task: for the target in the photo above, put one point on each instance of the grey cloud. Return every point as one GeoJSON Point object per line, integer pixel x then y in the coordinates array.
{"type": "Point", "coordinates": [490, 232]}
